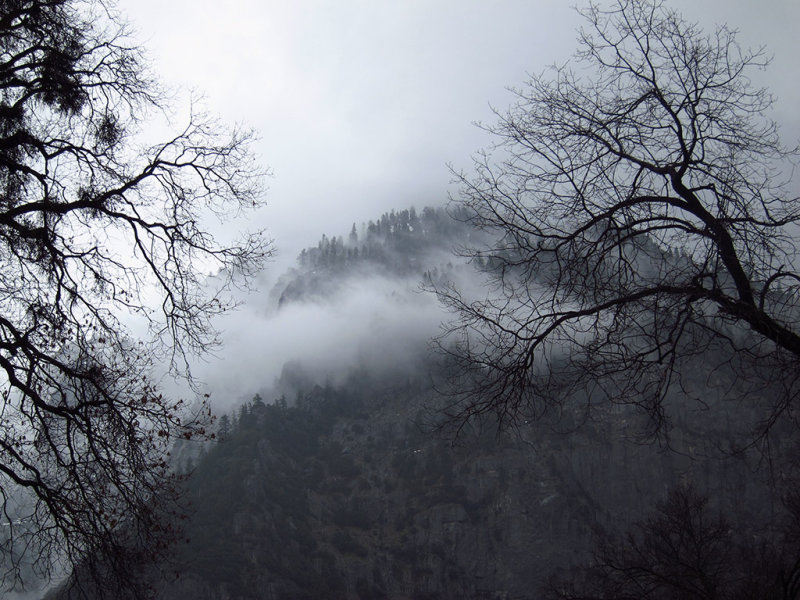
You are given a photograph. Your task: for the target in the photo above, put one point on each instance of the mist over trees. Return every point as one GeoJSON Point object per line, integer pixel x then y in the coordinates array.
{"type": "Point", "coordinates": [342, 486]}
{"type": "Point", "coordinates": [645, 264]}
{"type": "Point", "coordinates": [644, 272]}
{"type": "Point", "coordinates": [96, 232]}
{"type": "Point", "coordinates": [400, 244]}
{"type": "Point", "coordinates": [645, 221]}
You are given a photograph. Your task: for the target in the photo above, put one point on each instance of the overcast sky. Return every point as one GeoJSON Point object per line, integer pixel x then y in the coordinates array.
{"type": "Point", "coordinates": [360, 104]}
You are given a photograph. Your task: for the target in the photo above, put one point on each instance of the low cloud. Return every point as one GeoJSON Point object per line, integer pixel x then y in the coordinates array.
{"type": "Point", "coordinates": [370, 320]}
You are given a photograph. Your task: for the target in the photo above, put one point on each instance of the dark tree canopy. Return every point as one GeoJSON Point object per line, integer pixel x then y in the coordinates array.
{"type": "Point", "coordinates": [684, 551]}
{"type": "Point", "coordinates": [642, 203]}
{"type": "Point", "coordinates": [95, 233]}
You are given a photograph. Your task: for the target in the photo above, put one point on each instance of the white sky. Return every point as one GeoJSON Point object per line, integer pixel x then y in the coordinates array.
{"type": "Point", "coordinates": [360, 104]}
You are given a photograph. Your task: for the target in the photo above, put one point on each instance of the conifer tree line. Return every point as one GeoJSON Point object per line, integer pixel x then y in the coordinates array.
{"type": "Point", "coordinates": [642, 212]}
{"type": "Point", "coordinates": [391, 240]}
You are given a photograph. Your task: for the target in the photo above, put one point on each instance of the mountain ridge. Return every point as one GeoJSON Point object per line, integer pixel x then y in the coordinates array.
{"type": "Point", "coordinates": [353, 484]}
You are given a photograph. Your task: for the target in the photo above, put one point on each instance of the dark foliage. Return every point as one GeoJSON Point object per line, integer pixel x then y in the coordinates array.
{"type": "Point", "coordinates": [688, 551]}
{"type": "Point", "coordinates": [399, 240]}
{"type": "Point", "coordinates": [343, 490]}
{"type": "Point", "coordinates": [95, 231]}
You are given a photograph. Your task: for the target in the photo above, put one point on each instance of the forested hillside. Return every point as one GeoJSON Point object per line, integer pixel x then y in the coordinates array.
{"type": "Point", "coordinates": [347, 493]}
{"type": "Point", "coordinates": [351, 489]}
{"type": "Point", "coordinates": [579, 381]}
{"type": "Point", "coordinates": [398, 244]}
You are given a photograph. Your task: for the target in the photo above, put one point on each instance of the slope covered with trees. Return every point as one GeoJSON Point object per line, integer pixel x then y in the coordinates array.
{"type": "Point", "coordinates": [354, 490]}
{"type": "Point", "coordinates": [399, 244]}
{"type": "Point", "coordinates": [347, 492]}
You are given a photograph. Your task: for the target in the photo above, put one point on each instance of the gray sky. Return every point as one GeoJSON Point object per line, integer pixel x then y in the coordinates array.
{"type": "Point", "coordinates": [360, 104]}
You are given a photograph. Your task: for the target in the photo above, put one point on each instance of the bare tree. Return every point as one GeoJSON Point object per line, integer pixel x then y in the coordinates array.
{"type": "Point", "coordinates": [96, 232]}
{"type": "Point", "coordinates": [641, 201]}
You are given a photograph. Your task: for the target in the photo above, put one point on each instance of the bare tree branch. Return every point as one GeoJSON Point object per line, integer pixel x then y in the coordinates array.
{"type": "Point", "coordinates": [93, 233]}
{"type": "Point", "coordinates": [640, 200]}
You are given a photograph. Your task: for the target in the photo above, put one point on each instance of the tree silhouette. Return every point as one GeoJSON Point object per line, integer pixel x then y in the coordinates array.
{"type": "Point", "coordinates": [95, 232]}
{"type": "Point", "coordinates": [683, 551]}
{"type": "Point", "coordinates": [640, 200]}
